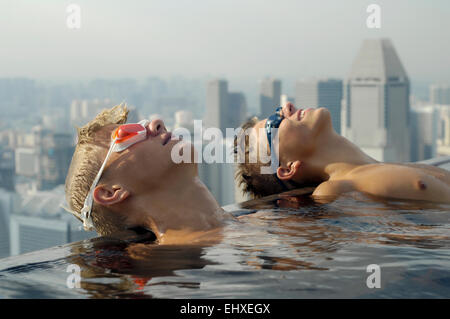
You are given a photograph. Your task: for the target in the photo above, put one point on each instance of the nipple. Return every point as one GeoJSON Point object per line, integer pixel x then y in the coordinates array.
{"type": "Point", "coordinates": [421, 185]}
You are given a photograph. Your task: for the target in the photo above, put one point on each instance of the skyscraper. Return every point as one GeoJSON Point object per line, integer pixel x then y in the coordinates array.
{"type": "Point", "coordinates": [7, 169]}
{"type": "Point", "coordinates": [224, 109]}
{"type": "Point", "coordinates": [321, 93]}
{"type": "Point", "coordinates": [376, 109]}
{"type": "Point", "coordinates": [237, 109]}
{"type": "Point", "coordinates": [424, 132]}
{"type": "Point", "coordinates": [269, 97]}
{"type": "Point", "coordinates": [443, 142]}
{"type": "Point", "coordinates": [216, 104]}
{"type": "Point", "coordinates": [440, 94]}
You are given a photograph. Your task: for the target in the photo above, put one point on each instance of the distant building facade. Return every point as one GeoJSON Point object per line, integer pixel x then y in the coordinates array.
{"type": "Point", "coordinates": [237, 109]}
{"type": "Point", "coordinates": [219, 177]}
{"type": "Point", "coordinates": [46, 157]}
{"type": "Point", "coordinates": [321, 93]}
{"type": "Point", "coordinates": [38, 221]}
{"type": "Point", "coordinates": [376, 108]}
{"type": "Point", "coordinates": [269, 97]}
{"type": "Point", "coordinates": [28, 233]}
{"type": "Point", "coordinates": [6, 207]}
{"type": "Point", "coordinates": [216, 104]}
{"type": "Point", "coordinates": [224, 109]}
{"type": "Point", "coordinates": [7, 169]}
{"type": "Point", "coordinates": [443, 141]}
{"type": "Point", "coordinates": [440, 94]}
{"type": "Point", "coordinates": [424, 132]}
{"type": "Point", "coordinates": [83, 111]}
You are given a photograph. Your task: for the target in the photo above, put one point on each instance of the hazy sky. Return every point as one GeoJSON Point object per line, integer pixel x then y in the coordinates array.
{"type": "Point", "coordinates": [232, 38]}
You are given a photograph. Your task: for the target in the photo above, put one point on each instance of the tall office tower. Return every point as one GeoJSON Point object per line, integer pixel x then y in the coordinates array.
{"type": "Point", "coordinates": [7, 169]}
{"type": "Point", "coordinates": [443, 142]}
{"type": "Point", "coordinates": [269, 97]}
{"type": "Point", "coordinates": [440, 94]}
{"type": "Point", "coordinates": [321, 93]}
{"type": "Point", "coordinates": [217, 104]}
{"type": "Point", "coordinates": [376, 109]}
{"type": "Point", "coordinates": [6, 207]}
{"type": "Point", "coordinates": [237, 109]}
{"type": "Point", "coordinates": [219, 177]}
{"type": "Point", "coordinates": [424, 132]}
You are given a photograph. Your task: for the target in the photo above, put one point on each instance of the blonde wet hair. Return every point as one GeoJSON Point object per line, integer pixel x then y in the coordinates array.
{"type": "Point", "coordinates": [86, 162]}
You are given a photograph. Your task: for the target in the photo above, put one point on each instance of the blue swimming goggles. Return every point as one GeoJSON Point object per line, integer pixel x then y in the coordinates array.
{"type": "Point", "coordinates": [272, 122]}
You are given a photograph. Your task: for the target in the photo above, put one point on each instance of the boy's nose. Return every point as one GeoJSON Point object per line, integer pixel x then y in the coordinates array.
{"type": "Point", "coordinates": [156, 127]}
{"type": "Point", "coordinates": [288, 109]}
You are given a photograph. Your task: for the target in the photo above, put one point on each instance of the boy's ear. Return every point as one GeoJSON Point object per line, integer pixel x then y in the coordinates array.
{"type": "Point", "coordinates": [286, 173]}
{"type": "Point", "coordinates": [107, 195]}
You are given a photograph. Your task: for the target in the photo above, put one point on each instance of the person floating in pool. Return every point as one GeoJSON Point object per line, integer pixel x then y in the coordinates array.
{"type": "Point", "coordinates": [122, 177]}
{"type": "Point", "coordinates": [311, 153]}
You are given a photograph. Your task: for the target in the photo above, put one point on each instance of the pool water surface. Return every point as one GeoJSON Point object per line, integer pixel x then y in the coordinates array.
{"type": "Point", "coordinates": [275, 248]}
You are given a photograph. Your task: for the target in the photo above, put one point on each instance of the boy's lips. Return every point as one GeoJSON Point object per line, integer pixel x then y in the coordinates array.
{"type": "Point", "coordinates": [301, 113]}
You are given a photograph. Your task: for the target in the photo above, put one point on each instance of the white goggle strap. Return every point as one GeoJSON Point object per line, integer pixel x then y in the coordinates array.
{"type": "Point", "coordinates": [86, 216]}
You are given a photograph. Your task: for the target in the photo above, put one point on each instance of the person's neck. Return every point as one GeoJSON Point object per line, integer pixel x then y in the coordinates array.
{"type": "Point", "coordinates": [335, 156]}
{"type": "Point", "coordinates": [186, 208]}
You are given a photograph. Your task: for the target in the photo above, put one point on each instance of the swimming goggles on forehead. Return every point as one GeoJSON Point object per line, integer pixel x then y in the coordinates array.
{"type": "Point", "coordinates": [272, 122]}
{"type": "Point", "coordinates": [122, 138]}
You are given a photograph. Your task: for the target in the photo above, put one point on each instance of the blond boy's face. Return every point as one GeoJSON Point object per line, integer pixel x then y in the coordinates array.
{"type": "Point", "coordinates": [146, 165]}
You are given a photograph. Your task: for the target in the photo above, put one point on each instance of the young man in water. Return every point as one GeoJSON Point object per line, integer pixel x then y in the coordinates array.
{"type": "Point", "coordinates": [122, 177]}
{"type": "Point", "coordinates": [310, 152]}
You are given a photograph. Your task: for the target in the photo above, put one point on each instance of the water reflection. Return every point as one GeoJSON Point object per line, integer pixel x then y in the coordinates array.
{"type": "Point", "coordinates": [287, 246]}
{"type": "Point", "coordinates": [139, 260]}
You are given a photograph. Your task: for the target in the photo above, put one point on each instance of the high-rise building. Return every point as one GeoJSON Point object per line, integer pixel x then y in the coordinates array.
{"type": "Point", "coordinates": [440, 94]}
{"type": "Point", "coordinates": [217, 104]}
{"type": "Point", "coordinates": [237, 109]}
{"type": "Point", "coordinates": [224, 109]}
{"type": "Point", "coordinates": [270, 96]}
{"type": "Point", "coordinates": [219, 177]}
{"type": "Point", "coordinates": [321, 93]}
{"type": "Point", "coordinates": [424, 132]}
{"type": "Point", "coordinates": [443, 142]}
{"type": "Point", "coordinates": [6, 207]}
{"type": "Point", "coordinates": [375, 113]}
{"type": "Point", "coordinates": [7, 169]}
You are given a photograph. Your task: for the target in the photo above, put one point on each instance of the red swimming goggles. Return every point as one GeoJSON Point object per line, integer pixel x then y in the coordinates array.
{"type": "Point", "coordinates": [121, 139]}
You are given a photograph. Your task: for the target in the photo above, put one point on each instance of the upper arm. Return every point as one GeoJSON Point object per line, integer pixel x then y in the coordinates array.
{"type": "Point", "coordinates": [333, 188]}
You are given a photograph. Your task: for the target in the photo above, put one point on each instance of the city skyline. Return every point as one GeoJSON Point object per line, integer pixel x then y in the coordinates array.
{"type": "Point", "coordinates": [228, 39]}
